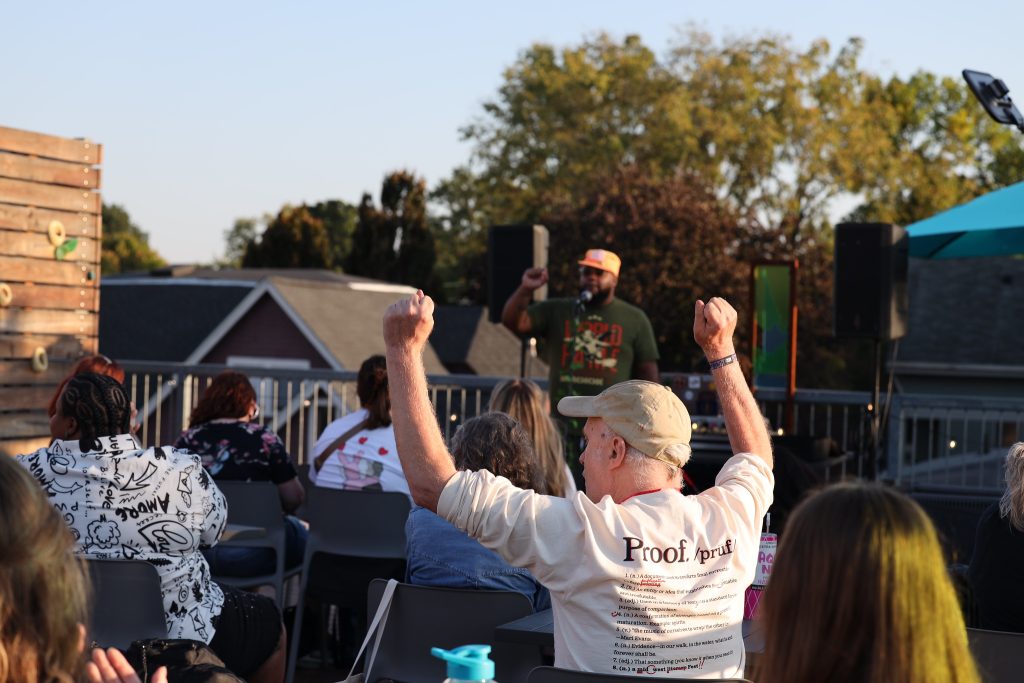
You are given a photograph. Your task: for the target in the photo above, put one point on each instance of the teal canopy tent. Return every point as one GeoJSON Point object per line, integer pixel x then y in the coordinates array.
{"type": "Point", "coordinates": [991, 225]}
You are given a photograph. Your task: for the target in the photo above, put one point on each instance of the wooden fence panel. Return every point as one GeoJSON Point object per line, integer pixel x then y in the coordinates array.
{"type": "Point", "coordinates": [57, 347]}
{"type": "Point", "coordinates": [40, 271]}
{"type": "Point", "coordinates": [50, 146]}
{"type": "Point", "coordinates": [21, 167]}
{"type": "Point", "coordinates": [38, 220]}
{"type": "Point", "coordinates": [36, 245]}
{"type": "Point", "coordinates": [47, 198]}
{"type": "Point", "coordinates": [25, 424]}
{"type": "Point", "coordinates": [28, 193]}
{"type": "Point", "coordinates": [20, 372]}
{"type": "Point", "coordinates": [27, 295]}
{"type": "Point", "coordinates": [11, 447]}
{"type": "Point", "coordinates": [46, 321]}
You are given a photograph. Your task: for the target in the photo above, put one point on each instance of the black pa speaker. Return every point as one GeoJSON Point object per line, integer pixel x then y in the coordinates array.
{"type": "Point", "coordinates": [511, 249]}
{"type": "Point", "coordinates": [870, 290]}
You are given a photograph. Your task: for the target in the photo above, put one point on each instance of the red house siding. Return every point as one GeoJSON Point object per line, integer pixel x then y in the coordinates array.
{"type": "Point", "coordinates": [265, 331]}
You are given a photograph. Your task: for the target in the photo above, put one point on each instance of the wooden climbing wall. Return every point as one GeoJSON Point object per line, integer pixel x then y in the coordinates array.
{"type": "Point", "coordinates": [49, 274]}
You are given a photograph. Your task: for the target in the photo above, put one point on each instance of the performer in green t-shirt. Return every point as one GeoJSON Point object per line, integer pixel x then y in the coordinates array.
{"type": "Point", "coordinates": [591, 342]}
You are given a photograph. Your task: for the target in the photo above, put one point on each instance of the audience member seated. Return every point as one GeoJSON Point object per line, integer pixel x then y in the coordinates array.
{"type": "Point", "coordinates": [859, 592]}
{"type": "Point", "coordinates": [530, 407]}
{"type": "Point", "coordinates": [234, 447]}
{"type": "Point", "coordinates": [441, 555]}
{"type": "Point", "coordinates": [634, 555]}
{"type": "Point", "coordinates": [43, 590]}
{"type": "Point", "coordinates": [158, 505]}
{"type": "Point", "coordinates": [99, 364]}
{"type": "Point", "coordinates": [996, 573]}
{"type": "Point", "coordinates": [358, 451]}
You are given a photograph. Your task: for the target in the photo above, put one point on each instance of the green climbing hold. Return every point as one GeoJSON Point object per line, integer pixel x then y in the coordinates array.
{"type": "Point", "coordinates": [68, 246]}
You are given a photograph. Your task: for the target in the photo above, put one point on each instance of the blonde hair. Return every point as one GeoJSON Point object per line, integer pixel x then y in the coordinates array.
{"type": "Point", "coordinates": [43, 590]}
{"type": "Point", "coordinates": [860, 592]}
{"type": "Point", "coordinates": [525, 402]}
{"type": "Point", "coordinates": [1011, 505]}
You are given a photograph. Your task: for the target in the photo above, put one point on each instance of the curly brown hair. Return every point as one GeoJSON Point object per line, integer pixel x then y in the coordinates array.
{"type": "Point", "coordinates": [497, 443]}
{"type": "Point", "coordinates": [43, 589]}
{"type": "Point", "coordinates": [230, 394]}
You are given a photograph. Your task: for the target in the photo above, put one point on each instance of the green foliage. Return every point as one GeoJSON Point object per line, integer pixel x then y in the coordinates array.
{"type": "Point", "coordinates": [294, 239]}
{"type": "Point", "coordinates": [125, 246]}
{"type": "Point", "coordinates": [244, 232]}
{"type": "Point", "coordinates": [394, 242]}
{"type": "Point", "coordinates": [777, 134]}
{"type": "Point", "coordinates": [337, 219]}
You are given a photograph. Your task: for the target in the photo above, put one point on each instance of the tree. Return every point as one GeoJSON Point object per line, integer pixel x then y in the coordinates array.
{"type": "Point", "coordinates": [394, 242]}
{"type": "Point", "coordinates": [244, 232]}
{"type": "Point", "coordinates": [339, 220]}
{"type": "Point", "coordinates": [125, 246]}
{"type": "Point", "coordinates": [294, 239]}
{"type": "Point", "coordinates": [778, 134]}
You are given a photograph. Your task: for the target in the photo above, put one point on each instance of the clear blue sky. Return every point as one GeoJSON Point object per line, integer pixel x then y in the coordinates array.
{"type": "Point", "coordinates": [217, 110]}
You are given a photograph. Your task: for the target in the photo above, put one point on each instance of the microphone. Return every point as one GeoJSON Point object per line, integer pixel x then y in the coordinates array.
{"type": "Point", "coordinates": [585, 296]}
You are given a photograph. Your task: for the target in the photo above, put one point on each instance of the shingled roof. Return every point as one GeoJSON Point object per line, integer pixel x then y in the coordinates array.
{"type": "Point", "coordinates": [965, 312]}
{"type": "Point", "coordinates": [143, 318]}
{"type": "Point", "coordinates": [179, 314]}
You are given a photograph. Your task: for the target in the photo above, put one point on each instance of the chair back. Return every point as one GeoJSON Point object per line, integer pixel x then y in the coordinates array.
{"type": "Point", "coordinates": [956, 519]}
{"type": "Point", "coordinates": [357, 523]}
{"type": "Point", "coordinates": [354, 537]}
{"type": "Point", "coordinates": [257, 504]}
{"type": "Point", "coordinates": [422, 617]}
{"type": "Point", "coordinates": [998, 654]}
{"type": "Point", "coordinates": [127, 603]}
{"type": "Point", "coordinates": [549, 674]}
{"type": "Point", "coordinates": [253, 503]}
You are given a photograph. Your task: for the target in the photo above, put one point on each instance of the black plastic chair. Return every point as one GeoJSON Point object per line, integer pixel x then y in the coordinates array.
{"type": "Point", "coordinates": [549, 674]}
{"type": "Point", "coordinates": [358, 536]}
{"type": "Point", "coordinates": [257, 504]}
{"type": "Point", "coordinates": [956, 519]}
{"type": "Point", "coordinates": [127, 602]}
{"type": "Point", "coordinates": [422, 617]}
{"type": "Point", "coordinates": [999, 655]}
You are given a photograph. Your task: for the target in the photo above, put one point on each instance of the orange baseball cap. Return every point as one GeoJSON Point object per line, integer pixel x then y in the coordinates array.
{"type": "Point", "coordinates": [603, 260]}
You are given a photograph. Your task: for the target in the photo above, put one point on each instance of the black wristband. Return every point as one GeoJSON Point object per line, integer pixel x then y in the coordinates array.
{"type": "Point", "coordinates": [722, 362]}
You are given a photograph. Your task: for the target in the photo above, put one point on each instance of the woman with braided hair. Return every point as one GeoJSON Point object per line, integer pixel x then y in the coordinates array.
{"type": "Point", "coordinates": [121, 501]}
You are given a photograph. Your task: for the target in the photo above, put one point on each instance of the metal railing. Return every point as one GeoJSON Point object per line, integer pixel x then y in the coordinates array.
{"type": "Point", "coordinates": [955, 442]}
{"type": "Point", "coordinates": [952, 442]}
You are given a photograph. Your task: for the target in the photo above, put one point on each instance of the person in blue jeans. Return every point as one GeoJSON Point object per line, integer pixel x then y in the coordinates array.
{"type": "Point", "coordinates": [233, 446]}
{"type": "Point", "coordinates": [438, 554]}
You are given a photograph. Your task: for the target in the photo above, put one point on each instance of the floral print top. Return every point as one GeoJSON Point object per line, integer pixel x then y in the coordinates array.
{"type": "Point", "coordinates": [239, 451]}
{"type": "Point", "coordinates": [157, 505]}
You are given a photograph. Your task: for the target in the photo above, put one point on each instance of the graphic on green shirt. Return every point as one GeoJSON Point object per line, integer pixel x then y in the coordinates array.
{"type": "Point", "coordinates": [595, 350]}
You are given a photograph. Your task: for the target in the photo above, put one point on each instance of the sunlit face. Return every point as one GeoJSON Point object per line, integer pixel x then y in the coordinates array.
{"type": "Point", "coordinates": [596, 459]}
{"type": "Point", "coordinates": [600, 283]}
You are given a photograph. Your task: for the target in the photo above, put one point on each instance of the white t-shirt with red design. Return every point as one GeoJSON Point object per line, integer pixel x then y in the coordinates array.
{"type": "Point", "coordinates": [367, 461]}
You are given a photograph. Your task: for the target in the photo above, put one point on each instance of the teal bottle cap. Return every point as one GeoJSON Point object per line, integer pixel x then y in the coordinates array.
{"type": "Point", "coordinates": [467, 663]}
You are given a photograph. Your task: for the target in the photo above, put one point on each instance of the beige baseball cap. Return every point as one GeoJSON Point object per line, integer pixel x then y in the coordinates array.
{"type": "Point", "coordinates": [647, 415]}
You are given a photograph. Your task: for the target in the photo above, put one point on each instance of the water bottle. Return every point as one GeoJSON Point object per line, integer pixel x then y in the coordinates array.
{"type": "Point", "coordinates": [467, 664]}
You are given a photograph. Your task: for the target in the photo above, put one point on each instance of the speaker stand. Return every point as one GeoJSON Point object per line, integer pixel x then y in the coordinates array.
{"type": "Point", "coordinates": [876, 412]}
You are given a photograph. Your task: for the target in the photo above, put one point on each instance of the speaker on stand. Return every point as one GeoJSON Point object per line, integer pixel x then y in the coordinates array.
{"type": "Point", "coordinates": [511, 249]}
{"type": "Point", "coordinates": [870, 297]}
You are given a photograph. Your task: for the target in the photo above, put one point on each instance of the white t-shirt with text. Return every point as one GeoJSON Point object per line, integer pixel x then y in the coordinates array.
{"type": "Point", "coordinates": [652, 585]}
